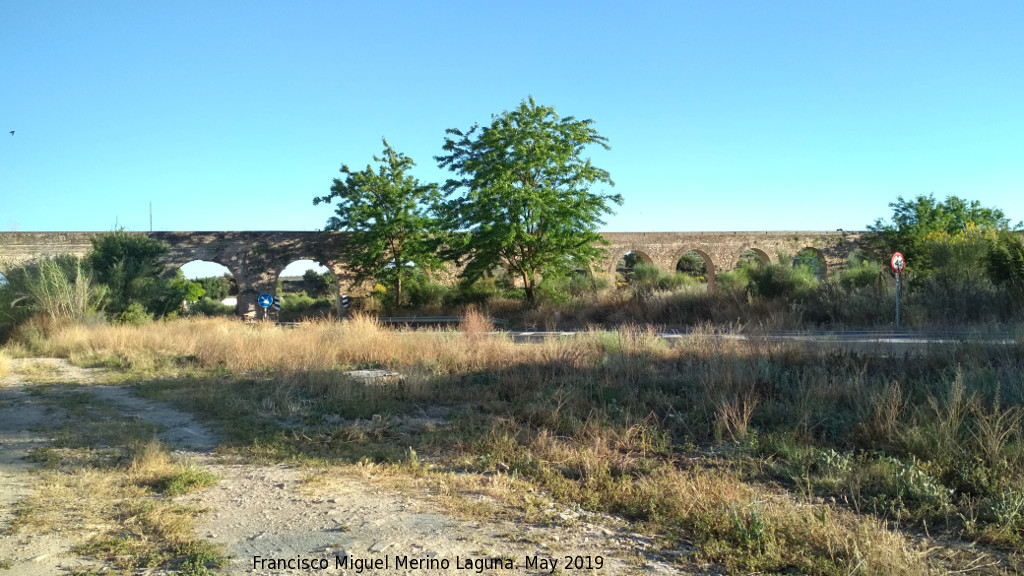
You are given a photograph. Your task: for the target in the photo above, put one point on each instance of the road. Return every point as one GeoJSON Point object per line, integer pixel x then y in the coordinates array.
{"type": "Point", "coordinates": [861, 340]}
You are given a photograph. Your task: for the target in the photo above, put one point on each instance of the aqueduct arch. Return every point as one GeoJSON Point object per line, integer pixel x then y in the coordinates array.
{"type": "Point", "coordinates": [709, 263]}
{"type": "Point", "coordinates": [761, 255]}
{"type": "Point", "coordinates": [337, 268]}
{"type": "Point", "coordinates": [820, 257]}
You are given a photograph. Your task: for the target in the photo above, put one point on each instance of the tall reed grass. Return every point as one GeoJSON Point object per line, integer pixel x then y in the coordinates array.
{"type": "Point", "coordinates": [51, 291]}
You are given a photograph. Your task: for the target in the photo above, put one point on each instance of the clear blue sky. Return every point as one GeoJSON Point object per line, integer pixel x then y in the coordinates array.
{"type": "Point", "coordinates": [721, 115]}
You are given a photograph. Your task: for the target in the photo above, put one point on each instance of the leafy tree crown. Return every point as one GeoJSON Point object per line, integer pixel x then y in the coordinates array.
{"type": "Point", "coordinates": [526, 200]}
{"type": "Point", "coordinates": [390, 217]}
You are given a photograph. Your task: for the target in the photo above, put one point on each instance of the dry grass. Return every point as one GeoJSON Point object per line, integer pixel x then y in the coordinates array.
{"type": "Point", "coordinates": [107, 490]}
{"type": "Point", "coordinates": [475, 324]}
{"type": "Point", "coordinates": [5, 363]}
{"type": "Point", "coordinates": [622, 422]}
{"type": "Point", "coordinates": [360, 342]}
{"type": "Point", "coordinates": [115, 515]}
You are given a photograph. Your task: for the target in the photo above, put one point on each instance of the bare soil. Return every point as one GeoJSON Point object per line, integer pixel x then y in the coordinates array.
{"type": "Point", "coordinates": [271, 511]}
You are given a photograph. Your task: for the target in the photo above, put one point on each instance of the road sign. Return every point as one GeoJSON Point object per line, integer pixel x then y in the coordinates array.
{"type": "Point", "coordinates": [344, 301]}
{"type": "Point", "coordinates": [277, 304]}
{"type": "Point", "coordinates": [265, 300]}
{"type": "Point", "coordinates": [897, 263]}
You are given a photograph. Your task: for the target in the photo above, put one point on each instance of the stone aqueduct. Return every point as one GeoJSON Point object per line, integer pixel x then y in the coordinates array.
{"type": "Point", "coordinates": [256, 259]}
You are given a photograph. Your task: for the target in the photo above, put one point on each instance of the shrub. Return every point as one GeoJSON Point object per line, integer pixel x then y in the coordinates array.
{"type": "Point", "coordinates": [299, 306]}
{"type": "Point", "coordinates": [562, 289]}
{"type": "Point", "coordinates": [733, 280]}
{"type": "Point", "coordinates": [958, 259]}
{"type": "Point", "coordinates": [481, 291]}
{"type": "Point", "coordinates": [419, 291]}
{"type": "Point", "coordinates": [1005, 260]}
{"type": "Point", "coordinates": [862, 274]}
{"type": "Point", "coordinates": [210, 307]}
{"type": "Point", "coordinates": [647, 278]}
{"type": "Point", "coordinates": [135, 315]}
{"type": "Point", "coordinates": [777, 281]}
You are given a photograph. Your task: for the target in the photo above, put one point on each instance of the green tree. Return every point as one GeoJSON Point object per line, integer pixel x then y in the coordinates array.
{"type": "Point", "coordinates": [527, 203]}
{"type": "Point", "coordinates": [391, 218]}
{"type": "Point", "coordinates": [692, 265]}
{"type": "Point", "coordinates": [914, 220]}
{"type": "Point", "coordinates": [318, 285]}
{"type": "Point", "coordinates": [129, 265]}
{"type": "Point", "coordinates": [216, 287]}
{"type": "Point", "coordinates": [177, 292]}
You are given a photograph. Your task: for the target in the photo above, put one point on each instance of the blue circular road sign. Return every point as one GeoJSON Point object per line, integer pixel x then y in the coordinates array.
{"type": "Point", "coordinates": [265, 300]}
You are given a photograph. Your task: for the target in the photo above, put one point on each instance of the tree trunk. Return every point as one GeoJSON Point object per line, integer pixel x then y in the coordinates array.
{"type": "Point", "coordinates": [398, 291]}
{"type": "Point", "coordinates": [531, 288]}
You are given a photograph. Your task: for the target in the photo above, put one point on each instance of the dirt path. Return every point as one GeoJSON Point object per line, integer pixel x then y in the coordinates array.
{"type": "Point", "coordinates": [269, 512]}
{"type": "Point", "coordinates": [25, 422]}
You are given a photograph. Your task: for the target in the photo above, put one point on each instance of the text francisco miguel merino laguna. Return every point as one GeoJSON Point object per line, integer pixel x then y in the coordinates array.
{"type": "Point", "coordinates": [478, 565]}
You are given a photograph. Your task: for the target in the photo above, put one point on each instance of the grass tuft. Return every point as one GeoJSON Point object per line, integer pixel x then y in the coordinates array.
{"type": "Point", "coordinates": [153, 467]}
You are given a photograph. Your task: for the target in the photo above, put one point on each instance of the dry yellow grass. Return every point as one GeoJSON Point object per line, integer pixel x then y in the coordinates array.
{"type": "Point", "coordinates": [5, 364]}
{"type": "Point", "coordinates": [92, 506]}
{"type": "Point", "coordinates": [113, 513]}
{"type": "Point", "coordinates": [595, 461]}
{"type": "Point", "coordinates": [327, 345]}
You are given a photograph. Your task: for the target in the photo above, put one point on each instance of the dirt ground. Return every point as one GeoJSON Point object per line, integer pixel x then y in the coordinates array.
{"type": "Point", "coordinates": [271, 512]}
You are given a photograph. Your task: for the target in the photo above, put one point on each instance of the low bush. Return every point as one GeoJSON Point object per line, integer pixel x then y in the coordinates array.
{"type": "Point", "coordinates": [210, 307]}
{"type": "Point", "coordinates": [299, 306]}
{"type": "Point", "coordinates": [135, 315]}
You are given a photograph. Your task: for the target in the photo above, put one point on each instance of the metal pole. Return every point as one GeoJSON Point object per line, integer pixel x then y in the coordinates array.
{"type": "Point", "coordinates": [898, 300]}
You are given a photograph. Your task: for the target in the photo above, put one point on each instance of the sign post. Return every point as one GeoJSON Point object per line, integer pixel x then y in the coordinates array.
{"type": "Point", "coordinates": [265, 300]}
{"type": "Point", "coordinates": [897, 263]}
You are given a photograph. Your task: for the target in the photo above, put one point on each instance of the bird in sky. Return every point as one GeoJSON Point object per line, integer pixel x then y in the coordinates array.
{"type": "Point", "coordinates": [12, 132]}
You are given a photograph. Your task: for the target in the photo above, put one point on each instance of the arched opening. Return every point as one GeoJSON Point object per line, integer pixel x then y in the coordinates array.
{"type": "Point", "coordinates": [812, 259]}
{"type": "Point", "coordinates": [307, 289]}
{"type": "Point", "coordinates": [3, 279]}
{"type": "Point", "coordinates": [220, 288]}
{"type": "Point", "coordinates": [697, 265]}
{"type": "Point", "coordinates": [626, 266]}
{"type": "Point", "coordinates": [753, 257]}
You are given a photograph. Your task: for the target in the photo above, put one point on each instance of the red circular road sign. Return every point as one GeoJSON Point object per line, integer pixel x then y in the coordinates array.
{"type": "Point", "coordinates": [897, 263]}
